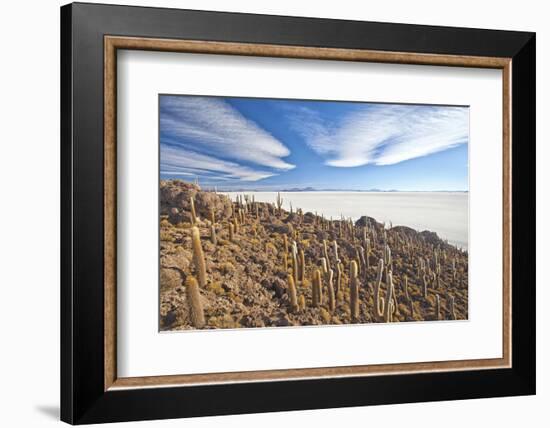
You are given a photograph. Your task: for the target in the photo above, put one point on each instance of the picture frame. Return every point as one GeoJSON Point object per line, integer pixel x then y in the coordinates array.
{"type": "Point", "coordinates": [91, 390]}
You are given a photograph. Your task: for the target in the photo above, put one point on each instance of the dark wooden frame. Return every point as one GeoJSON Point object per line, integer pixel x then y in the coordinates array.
{"type": "Point", "coordinates": [89, 36]}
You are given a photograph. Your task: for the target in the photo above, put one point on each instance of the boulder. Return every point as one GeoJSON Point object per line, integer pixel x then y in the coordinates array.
{"type": "Point", "coordinates": [175, 197]}
{"type": "Point", "coordinates": [365, 220]}
{"type": "Point", "coordinates": [279, 227]}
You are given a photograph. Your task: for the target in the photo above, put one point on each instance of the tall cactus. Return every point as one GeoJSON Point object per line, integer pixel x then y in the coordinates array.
{"type": "Point", "coordinates": [425, 287]}
{"type": "Point", "coordinates": [454, 269]}
{"type": "Point", "coordinates": [339, 272]}
{"type": "Point", "coordinates": [301, 302]}
{"type": "Point", "coordinates": [378, 301]}
{"type": "Point", "coordinates": [193, 212]}
{"type": "Point", "coordinates": [421, 268]}
{"type": "Point", "coordinates": [335, 249]}
{"type": "Point", "coordinates": [387, 256]}
{"type": "Point", "coordinates": [231, 230]}
{"type": "Point", "coordinates": [292, 293]}
{"type": "Point", "coordinates": [354, 292]}
{"type": "Point", "coordinates": [213, 234]}
{"type": "Point", "coordinates": [360, 253]}
{"type": "Point", "coordinates": [330, 291]}
{"type": "Point", "coordinates": [366, 245]}
{"type": "Point", "coordinates": [198, 256]}
{"type": "Point", "coordinates": [316, 290]}
{"type": "Point", "coordinates": [302, 266]}
{"type": "Point", "coordinates": [295, 261]}
{"type": "Point", "coordinates": [452, 307]}
{"type": "Point", "coordinates": [194, 300]}
{"type": "Point", "coordinates": [279, 202]}
{"type": "Point", "coordinates": [212, 216]}
{"type": "Point", "coordinates": [325, 253]}
{"type": "Point", "coordinates": [324, 267]}
{"type": "Point", "coordinates": [285, 253]}
{"type": "Point", "coordinates": [389, 305]}
{"type": "Point", "coordinates": [406, 286]}
{"type": "Point", "coordinates": [437, 307]}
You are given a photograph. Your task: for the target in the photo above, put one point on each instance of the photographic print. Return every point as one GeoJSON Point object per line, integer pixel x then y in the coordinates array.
{"type": "Point", "coordinates": [287, 213]}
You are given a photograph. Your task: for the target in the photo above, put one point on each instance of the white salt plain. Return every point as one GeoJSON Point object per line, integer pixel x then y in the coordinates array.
{"type": "Point", "coordinates": [445, 213]}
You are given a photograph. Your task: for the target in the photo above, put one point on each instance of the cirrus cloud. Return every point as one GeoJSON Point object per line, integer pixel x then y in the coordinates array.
{"type": "Point", "coordinates": [382, 134]}
{"type": "Point", "coordinates": [211, 133]}
{"type": "Point", "coordinates": [179, 161]}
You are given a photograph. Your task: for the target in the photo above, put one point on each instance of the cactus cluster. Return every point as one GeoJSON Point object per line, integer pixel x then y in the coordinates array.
{"type": "Point", "coordinates": [337, 271]}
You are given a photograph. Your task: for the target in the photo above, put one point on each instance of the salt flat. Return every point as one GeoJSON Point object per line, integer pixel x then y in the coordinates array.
{"type": "Point", "coordinates": [445, 213]}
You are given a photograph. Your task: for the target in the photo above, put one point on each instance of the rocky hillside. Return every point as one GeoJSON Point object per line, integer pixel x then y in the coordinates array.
{"type": "Point", "coordinates": [254, 264]}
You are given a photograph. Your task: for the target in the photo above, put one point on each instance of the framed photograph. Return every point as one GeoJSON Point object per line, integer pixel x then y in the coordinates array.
{"type": "Point", "coordinates": [265, 213]}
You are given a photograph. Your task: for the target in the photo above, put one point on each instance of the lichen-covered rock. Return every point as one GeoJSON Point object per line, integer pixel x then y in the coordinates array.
{"type": "Point", "coordinates": [170, 279]}
{"type": "Point", "coordinates": [366, 221]}
{"type": "Point", "coordinates": [175, 202]}
{"type": "Point", "coordinates": [279, 227]}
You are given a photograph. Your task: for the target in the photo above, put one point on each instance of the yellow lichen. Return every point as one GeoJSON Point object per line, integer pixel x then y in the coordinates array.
{"type": "Point", "coordinates": [166, 236]}
{"type": "Point", "coordinates": [325, 315]}
{"type": "Point", "coordinates": [215, 287]}
{"type": "Point", "coordinates": [227, 267]}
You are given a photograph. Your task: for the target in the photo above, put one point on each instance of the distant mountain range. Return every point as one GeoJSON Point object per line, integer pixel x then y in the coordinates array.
{"type": "Point", "coordinates": [312, 189]}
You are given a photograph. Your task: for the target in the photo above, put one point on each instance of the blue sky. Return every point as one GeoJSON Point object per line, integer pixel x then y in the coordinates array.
{"type": "Point", "coordinates": [275, 144]}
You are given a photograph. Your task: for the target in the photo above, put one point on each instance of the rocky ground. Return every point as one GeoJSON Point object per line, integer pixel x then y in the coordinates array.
{"type": "Point", "coordinates": [247, 274]}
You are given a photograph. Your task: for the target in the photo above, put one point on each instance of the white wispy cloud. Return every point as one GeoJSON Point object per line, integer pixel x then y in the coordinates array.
{"type": "Point", "coordinates": [382, 134]}
{"type": "Point", "coordinates": [180, 161]}
{"type": "Point", "coordinates": [212, 126]}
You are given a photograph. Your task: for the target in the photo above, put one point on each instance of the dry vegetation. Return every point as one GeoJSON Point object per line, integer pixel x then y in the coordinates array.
{"type": "Point", "coordinates": [232, 264]}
